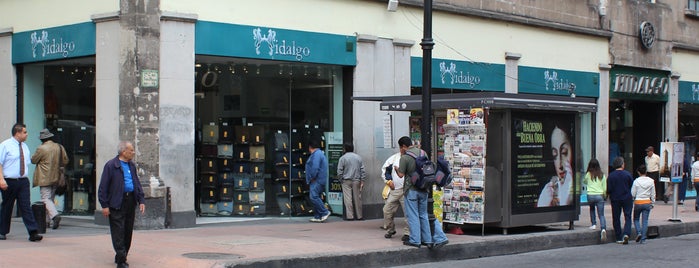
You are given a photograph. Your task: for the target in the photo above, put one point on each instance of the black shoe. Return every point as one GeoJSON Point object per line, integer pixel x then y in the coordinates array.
{"type": "Point", "coordinates": [3, 237]}
{"type": "Point", "coordinates": [122, 265]}
{"type": "Point", "coordinates": [360, 219]}
{"type": "Point", "coordinates": [35, 237]}
{"type": "Point", "coordinates": [626, 240]}
{"type": "Point", "coordinates": [440, 244]}
{"type": "Point", "coordinates": [56, 221]}
{"type": "Point", "coordinates": [638, 238]}
{"type": "Point", "coordinates": [405, 238]}
{"type": "Point", "coordinates": [389, 234]}
{"type": "Point", "coordinates": [407, 243]}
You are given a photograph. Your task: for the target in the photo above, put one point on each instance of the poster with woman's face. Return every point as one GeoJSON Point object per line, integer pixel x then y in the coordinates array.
{"type": "Point", "coordinates": [542, 162]}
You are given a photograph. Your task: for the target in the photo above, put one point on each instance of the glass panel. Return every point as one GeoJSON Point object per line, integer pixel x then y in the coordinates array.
{"type": "Point", "coordinates": [267, 112]}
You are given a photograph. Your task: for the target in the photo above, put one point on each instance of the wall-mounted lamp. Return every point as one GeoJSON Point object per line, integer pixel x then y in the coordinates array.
{"type": "Point", "coordinates": [392, 5]}
{"type": "Point", "coordinates": [571, 90]}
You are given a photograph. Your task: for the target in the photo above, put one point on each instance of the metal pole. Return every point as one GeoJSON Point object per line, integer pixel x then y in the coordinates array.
{"type": "Point", "coordinates": [675, 188]}
{"type": "Point", "coordinates": [425, 128]}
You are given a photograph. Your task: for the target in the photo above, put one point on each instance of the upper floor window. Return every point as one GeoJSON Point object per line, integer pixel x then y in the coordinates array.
{"type": "Point", "coordinates": [693, 4]}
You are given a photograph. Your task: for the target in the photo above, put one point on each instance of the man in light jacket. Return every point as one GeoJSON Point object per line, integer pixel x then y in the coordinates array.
{"type": "Point", "coordinates": [47, 158]}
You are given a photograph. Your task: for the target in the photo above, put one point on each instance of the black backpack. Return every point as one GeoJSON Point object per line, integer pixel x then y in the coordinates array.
{"type": "Point", "coordinates": [428, 173]}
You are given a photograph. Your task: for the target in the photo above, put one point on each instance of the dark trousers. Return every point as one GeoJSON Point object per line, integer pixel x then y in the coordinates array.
{"type": "Point", "coordinates": [659, 186]}
{"type": "Point", "coordinates": [121, 227]}
{"type": "Point", "coordinates": [617, 207]}
{"type": "Point", "coordinates": [17, 189]}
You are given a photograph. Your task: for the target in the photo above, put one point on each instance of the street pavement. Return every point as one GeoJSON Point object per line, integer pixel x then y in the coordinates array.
{"type": "Point", "coordinates": [296, 242]}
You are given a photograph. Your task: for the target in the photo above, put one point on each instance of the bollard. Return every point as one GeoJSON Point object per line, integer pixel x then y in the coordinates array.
{"type": "Point", "coordinates": [39, 211]}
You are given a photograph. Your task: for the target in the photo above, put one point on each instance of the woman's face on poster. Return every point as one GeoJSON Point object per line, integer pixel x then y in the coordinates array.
{"type": "Point", "coordinates": [561, 151]}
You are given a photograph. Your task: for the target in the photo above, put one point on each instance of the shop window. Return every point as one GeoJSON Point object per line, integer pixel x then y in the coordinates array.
{"type": "Point", "coordinates": [693, 5]}
{"type": "Point", "coordinates": [254, 121]}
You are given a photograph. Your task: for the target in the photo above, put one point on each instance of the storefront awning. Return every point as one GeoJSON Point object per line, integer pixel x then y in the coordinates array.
{"type": "Point", "coordinates": [486, 100]}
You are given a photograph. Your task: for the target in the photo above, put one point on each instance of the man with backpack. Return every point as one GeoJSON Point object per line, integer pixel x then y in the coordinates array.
{"type": "Point", "coordinates": [416, 201]}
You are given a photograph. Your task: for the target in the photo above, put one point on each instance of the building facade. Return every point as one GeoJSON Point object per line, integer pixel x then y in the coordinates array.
{"type": "Point", "coordinates": [220, 99]}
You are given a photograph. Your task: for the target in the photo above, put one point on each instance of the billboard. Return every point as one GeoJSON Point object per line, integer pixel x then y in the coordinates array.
{"type": "Point", "coordinates": [543, 163]}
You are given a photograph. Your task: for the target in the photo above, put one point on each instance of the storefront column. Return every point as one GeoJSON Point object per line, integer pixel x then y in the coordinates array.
{"type": "Point", "coordinates": [672, 109]}
{"type": "Point", "coordinates": [383, 69]}
{"type": "Point", "coordinates": [511, 72]}
{"type": "Point", "coordinates": [8, 82]}
{"type": "Point", "coordinates": [177, 116]}
{"type": "Point", "coordinates": [602, 119]}
{"type": "Point", "coordinates": [107, 90]}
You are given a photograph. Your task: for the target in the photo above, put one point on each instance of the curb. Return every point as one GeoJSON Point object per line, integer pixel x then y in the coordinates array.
{"type": "Point", "coordinates": [493, 246]}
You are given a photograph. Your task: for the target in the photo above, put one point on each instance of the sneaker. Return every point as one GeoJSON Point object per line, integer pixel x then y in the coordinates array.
{"type": "Point", "coordinates": [407, 243]}
{"type": "Point", "coordinates": [603, 236]}
{"type": "Point", "coordinates": [638, 238]}
{"type": "Point", "coordinates": [620, 241]}
{"type": "Point", "coordinates": [593, 227]}
{"type": "Point", "coordinates": [440, 244]}
{"type": "Point", "coordinates": [315, 220]}
{"type": "Point", "coordinates": [325, 217]}
{"type": "Point", "coordinates": [626, 240]}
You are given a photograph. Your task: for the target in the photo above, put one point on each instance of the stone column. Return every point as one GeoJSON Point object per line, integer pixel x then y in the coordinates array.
{"type": "Point", "coordinates": [602, 119]}
{"type": "Point", "coordinates": [672, 108]}
{"type": "Point", "coordinates": [512, 72]}
{"type": "Point", "coordinates": [8, 81]}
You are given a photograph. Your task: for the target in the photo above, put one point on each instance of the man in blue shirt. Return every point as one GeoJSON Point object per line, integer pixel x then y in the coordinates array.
{"type": "Point", "coordinates": [317, 178]}
{"type": "Point", "coordinates": [619, 191]}
{"type": "Point", "coordinates": [14, 184]}
{"type": "Point", "coordinates": [119, 192]}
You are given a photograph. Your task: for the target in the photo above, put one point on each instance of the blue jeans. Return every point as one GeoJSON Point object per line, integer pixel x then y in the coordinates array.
{"type": "Point", "coordinates": [319, 209]}
{"type": "Point", "coordinates": [696, 188]}
{"type": "Point", "coordinates": [638, 212]}
{"type": "Point", "coordinates": [617, 207]}
{"type": "Point", "coordinates": [416, 212]}
{"type": "Point", "coordinates": [596, 203]}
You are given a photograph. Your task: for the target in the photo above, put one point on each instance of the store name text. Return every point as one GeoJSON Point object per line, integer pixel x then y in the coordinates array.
{"type": "Point", "coordinates": [277, 47]}
{"type": "Point", "coordinates": [458, 77]}
{"type": "Point", "coordinates": [642, 85]}
{"type": "Point", "coordinates": [51, 47]}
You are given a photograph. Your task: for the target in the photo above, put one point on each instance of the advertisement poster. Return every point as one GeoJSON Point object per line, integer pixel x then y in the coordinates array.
{"type": "Point", "coordinates": [671, 161]}
{"type": "Point", "coordinates": [542, 162]}
{"type": "Point", "coordinates": [334, 152]}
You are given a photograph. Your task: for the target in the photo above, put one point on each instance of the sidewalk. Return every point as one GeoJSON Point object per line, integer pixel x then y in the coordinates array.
{"type": "Point", "coordinates": [295, 242]}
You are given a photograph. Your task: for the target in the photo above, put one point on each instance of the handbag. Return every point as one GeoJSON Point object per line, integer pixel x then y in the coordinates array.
{"type": "Point", "coordinates": [61, 185]}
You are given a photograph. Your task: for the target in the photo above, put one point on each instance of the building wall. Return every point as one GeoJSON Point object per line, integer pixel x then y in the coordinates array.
{"type": "Point", "coordinates": [686, 64]}
{"type": "Point", "coordinates": [8, 81]}
{"type": "Point", "coordinates": [36, 14]}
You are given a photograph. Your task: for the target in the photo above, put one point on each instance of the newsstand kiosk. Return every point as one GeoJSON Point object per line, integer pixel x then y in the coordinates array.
{"type": "Point", "coordinates": [513, 156]}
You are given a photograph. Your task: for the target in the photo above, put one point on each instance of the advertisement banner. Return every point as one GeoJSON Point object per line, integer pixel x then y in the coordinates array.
{"type": "Point", "coordinates": [671, 161]}
{"type": "Point", "coordinates": [543, 162]}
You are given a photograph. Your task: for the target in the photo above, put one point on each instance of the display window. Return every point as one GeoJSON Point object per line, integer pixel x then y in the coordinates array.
{"type": "Point", "coordinates": [254, 119]}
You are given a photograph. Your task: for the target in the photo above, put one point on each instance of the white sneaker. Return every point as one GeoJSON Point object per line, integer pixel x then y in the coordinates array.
{"type": "Point", "coordinates": [603, 236]}
{"type": "Point", "coordinates": [325, 217]}
{"type": "Point", "coordinates": [315, 220]}
{"type": "Point", "coordinates": [593, 227]}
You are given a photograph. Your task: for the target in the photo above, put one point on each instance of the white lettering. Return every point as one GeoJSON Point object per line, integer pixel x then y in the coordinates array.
{"type": "Point", "coordinates": [641, 85]}
{"type": "Point", "coordinates": [279, 48]}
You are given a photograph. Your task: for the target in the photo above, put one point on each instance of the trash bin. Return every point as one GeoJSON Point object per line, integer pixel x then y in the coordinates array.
{"type": "Point", "coordinates": [39, 211]}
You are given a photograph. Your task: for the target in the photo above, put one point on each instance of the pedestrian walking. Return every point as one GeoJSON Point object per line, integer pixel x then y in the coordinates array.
{"type": "Point", "coordinates": [119, 192]}
{"type": "Point", "coordinates": [643, 192]}
{"type": "Point", "coordinates": [619, 191]}
{"type": "Point", "coordinates": [14, 184]}
{"type": "Point", "coordinates": [317, 178]}
{"type": "Point", "coordinates": [395, 196]}
{"type": "Point", "coordinates": [596, 183]}
{"type": "Point", "coordinates": [695, 179]}
{"type": "Point", "coordinates": [48, 158]}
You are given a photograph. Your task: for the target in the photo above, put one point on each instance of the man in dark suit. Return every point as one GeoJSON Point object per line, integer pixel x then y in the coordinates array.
{"type": "Point", "coordinates": [119, 192]}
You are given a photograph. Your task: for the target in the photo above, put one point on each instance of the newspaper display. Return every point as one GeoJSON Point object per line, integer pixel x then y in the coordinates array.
{"type": "Point", "coordinates": [464, 149]}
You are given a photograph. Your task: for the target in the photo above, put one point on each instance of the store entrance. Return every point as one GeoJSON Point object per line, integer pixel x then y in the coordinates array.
{"type": "Point", "coordinates": [60, 96]}
{"type": "Point", "coordinates": [634, 125]}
